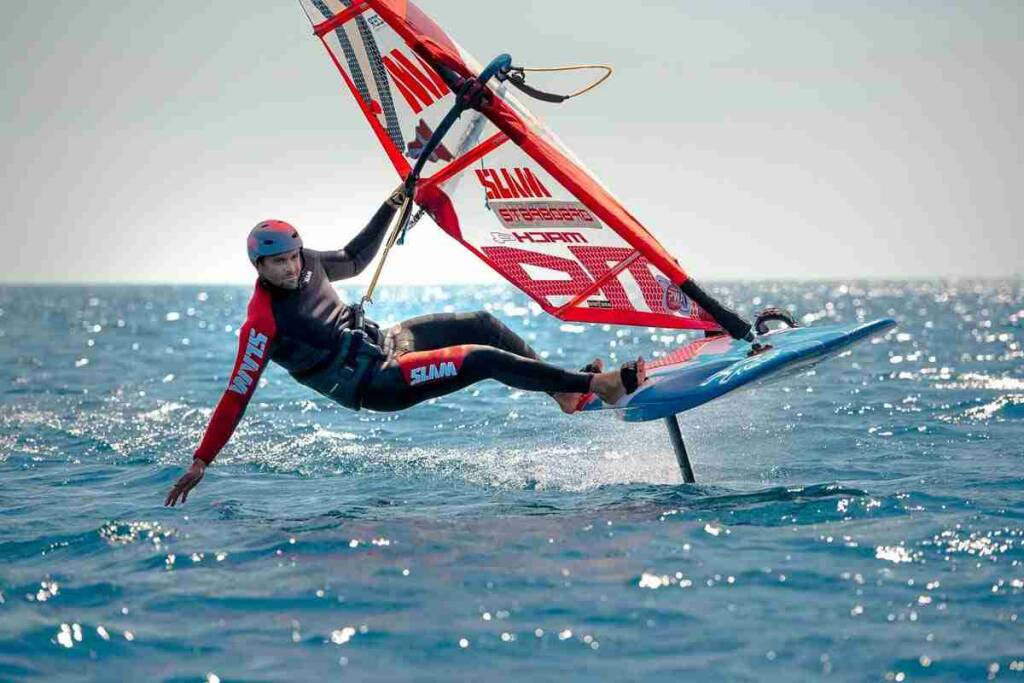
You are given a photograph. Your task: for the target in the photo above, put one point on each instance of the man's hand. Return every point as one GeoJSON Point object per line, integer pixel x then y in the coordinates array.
{"type": "Point", "coordinates": [187, 482]}
{"type": "Point", "coordinates": [397, 197]}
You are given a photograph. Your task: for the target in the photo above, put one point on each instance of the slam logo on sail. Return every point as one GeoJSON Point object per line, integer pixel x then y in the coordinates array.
{"type": "Point", "coordinates": [511, 183]}
{"type": "Point", "coordinates": [420, 85]}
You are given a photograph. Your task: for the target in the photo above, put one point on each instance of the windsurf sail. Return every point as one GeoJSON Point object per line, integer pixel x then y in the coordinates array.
{"type": "Point", "coordinates": [501, 183]}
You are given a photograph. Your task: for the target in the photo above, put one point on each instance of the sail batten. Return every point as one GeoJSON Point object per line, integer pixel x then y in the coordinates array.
{"type": "Point", "coordinates": [464, 161]}
{"type": "Point", "coordinates": [357, 7]}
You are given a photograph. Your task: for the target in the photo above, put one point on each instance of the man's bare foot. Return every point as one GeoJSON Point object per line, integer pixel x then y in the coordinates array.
{"type": "Point", "coordinates": [568, 402]}
{"type": "Point", "coordinates": [609, 387]}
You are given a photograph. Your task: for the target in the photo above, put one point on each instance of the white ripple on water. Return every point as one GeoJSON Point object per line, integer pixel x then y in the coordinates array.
{"type": "Point", "coordinates": [897, 554]}
{"type": "Point", "coordinates": [568, 468]}
{"type": "Point", "coordinates": [981, 382]}
{"type": "Point", "coordinates": [6, 446]}
{"type": "Point", "coordinates": [128, 532]}
{"type": "Point", "coordinates": [974, 380]}
{"type": "Point", "coordinates": [332, 448]}
{"type": "Point", "coordinates": [989, 410]}
{"type": "Point", "coordinates": [592, 453]}
{"type": "Point", "coordinates": [48, 589]}
{"type": "Point", "coordinates": [991, 544]}
{"type": "Point", "coordinates": [164, 413]}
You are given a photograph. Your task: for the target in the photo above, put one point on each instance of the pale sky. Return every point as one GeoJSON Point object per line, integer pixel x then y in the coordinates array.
{"type": "Point", "coordinates": [784, 139]}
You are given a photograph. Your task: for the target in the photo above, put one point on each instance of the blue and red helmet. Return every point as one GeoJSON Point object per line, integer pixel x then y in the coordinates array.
{"type": "Point", "coordinates": [270, 238]}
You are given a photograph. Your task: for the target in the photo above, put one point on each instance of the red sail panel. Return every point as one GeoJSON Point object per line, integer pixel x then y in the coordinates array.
{"type": "Point", "coordinates": [502, 184]}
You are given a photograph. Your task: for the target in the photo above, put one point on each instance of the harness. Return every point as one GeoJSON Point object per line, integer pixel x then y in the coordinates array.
{"type": "Point", "coordinates": [342, 377]}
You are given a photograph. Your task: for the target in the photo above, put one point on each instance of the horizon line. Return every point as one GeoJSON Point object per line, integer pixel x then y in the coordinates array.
{"type": "Point", "coordinates": [236, 283]}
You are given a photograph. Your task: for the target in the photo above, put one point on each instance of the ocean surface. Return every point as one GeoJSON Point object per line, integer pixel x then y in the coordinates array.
{"type": "Point", "coordinates": [863, 521]}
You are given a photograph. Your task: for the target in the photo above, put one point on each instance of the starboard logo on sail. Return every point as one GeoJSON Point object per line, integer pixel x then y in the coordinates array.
{"type": "Point", "coordinates": [553, 214]}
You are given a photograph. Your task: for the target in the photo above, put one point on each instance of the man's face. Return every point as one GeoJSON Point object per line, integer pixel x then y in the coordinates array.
{"type": "Point", "coordinates": [281, 270]}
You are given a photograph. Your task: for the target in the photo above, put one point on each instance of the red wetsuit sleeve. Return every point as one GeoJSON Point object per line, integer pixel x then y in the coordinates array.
{"type": "Point", "coordinates": [254, 339]}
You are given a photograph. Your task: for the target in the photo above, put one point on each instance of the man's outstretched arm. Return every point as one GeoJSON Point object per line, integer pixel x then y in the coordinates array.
{"type": "Point", "coordinates": [253, 354]}
{"type": "Point", "coordinates": [359, 252]}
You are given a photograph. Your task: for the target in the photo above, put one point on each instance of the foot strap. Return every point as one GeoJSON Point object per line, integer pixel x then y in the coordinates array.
{"type": "Point", "coordinates": [773, 315]}
{"type": "Point", "coordinates": [628, 372]}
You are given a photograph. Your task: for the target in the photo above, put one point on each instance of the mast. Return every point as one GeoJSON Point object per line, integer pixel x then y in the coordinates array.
{"type": "Point", "coordinates": [730, 320]}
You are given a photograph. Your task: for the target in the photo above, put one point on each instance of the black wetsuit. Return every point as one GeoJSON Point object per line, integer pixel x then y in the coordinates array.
{"type": "Point", "coordinates": [434, 355]}
{"type": "Point", "coordinates": [310, 332]}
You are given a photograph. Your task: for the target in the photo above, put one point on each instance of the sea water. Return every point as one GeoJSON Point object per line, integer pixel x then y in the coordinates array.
{"type": "Point", "coordinates": [861, 521]}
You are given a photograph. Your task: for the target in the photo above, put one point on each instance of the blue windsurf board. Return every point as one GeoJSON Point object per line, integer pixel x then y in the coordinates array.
{"type": "Point", "coordinates": [709, 368]}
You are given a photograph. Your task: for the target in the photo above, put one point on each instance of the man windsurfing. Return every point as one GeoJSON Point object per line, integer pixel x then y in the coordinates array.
{"type": "Point", "coordinates": [296, 319]}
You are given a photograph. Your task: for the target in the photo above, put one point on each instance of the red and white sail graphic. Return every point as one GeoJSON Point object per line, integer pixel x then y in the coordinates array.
{"type": "Point", "coordinates": [504, 186]}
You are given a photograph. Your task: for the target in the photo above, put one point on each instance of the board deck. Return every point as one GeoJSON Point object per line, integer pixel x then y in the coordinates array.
{"type": "Point", "coordinates": [708, 368]}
